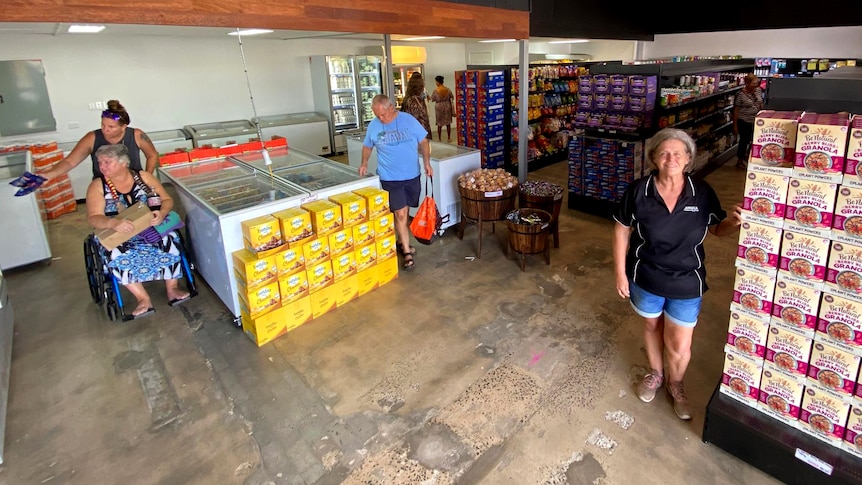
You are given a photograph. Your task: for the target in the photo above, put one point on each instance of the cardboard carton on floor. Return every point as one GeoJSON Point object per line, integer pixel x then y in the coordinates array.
{"type": "Point", "coordinates": [139, 215]}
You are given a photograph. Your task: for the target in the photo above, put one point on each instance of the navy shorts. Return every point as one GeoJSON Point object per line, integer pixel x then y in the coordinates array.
{"type": "Point", "coordinates": [402, 193]}
{"type": "Point", "coordinates": [682, 312]}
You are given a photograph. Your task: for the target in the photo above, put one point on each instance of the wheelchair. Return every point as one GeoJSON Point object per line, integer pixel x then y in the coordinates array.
{"type": "Point", "coordinates": [104, 287]}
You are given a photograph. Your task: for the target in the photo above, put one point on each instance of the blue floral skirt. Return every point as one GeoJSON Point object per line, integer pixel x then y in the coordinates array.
{"type": "Point", "coordinates": [137, 261]}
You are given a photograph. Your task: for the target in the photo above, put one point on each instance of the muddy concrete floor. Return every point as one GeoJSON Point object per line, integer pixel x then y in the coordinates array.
{"type": "Point", "coordinates": [463, 370]}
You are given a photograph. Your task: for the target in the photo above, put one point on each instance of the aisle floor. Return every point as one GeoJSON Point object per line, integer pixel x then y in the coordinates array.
{"type": "Point", "coordinates": [463, 370]}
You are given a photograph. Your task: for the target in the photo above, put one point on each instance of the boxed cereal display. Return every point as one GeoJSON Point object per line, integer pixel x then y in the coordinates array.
{"type": "Point", "coordinates": [383, 225]}
{"type": "Point", "coordinates": [377, 200]}
{"type": "Point", "coordinates": [341, 242]}
{"type": "Point", "coordinates": [803, 258]}
{"type": "Point", "coordinates": [366, 256]}
{"type": "Point", "coordinates": [774, 141]}
{"type": "Point", "coordinates": [844, 270]}
{"type": "Point", "coordinates": [740, 378]}
{"type": "Point", "coordinates": [316, 250]}
{"type": "Point", "coordinates": [746, 334]}
{"type": "Point", "coordinates": [795, 306]}
{"type": "Point", "coordinates": [354, 207]}
{"type": "Point", "coordinates": [295, 225]}
{"type": "Point", "coordinates": [264, 328]}
{"type": "Point", "coordinates": [810, 206]}
{"type": "Point", "coordinates": [823, 415]}
{"type": "Point", "coordinates": [319, 276]}
{"type": "Point", "coordinates": [847, 221]}
{"type": "Point", "coordinates": [343, 265]}
{"type": "Point", "coordinates": [260, 300]}
{"type": "Point", "coordinates": [758, 247]}
{"type": "Point", "coordinates": [325, 216]}
{"type": "Point", "coordinates": [346, 290]}
{"type": "Point", "coordinates": [853, 433]}
{"type": "Point", "coordinates": [289, 260]}
{"type": "Point", "coordinates": [262, 234]}
{"type": "Point", "coordinates": [853, 161]}
{"type": "Point", "coordinates": [387, 270]}
{"type": "Point", "coordinates": [252, 271]}
{"type": "Point", "coordinates": [753, 291]}
{"type": "Point", "coordinates": [764, 198]}
{"type": "Point", "coordinates": [834, 369]}
{"type": "Point", "coordinates": [386, 247]}
{"type": "Point", "coordinates": [323, 301]}
{"type": "Point", "coordinates": [293, 286]}
{"type": "Point", "coordinates": [788, 351]}
{"type": "Point", "coordinates": [780, 395]}
{"type": "Point", "coordinates": [367, 279]}
{"type": "Point", "coordinates": [363, 233]}
{"type": "Point", "coordinates": [821, 141]}
{"type": "Point", "coordinates": [839, 322]}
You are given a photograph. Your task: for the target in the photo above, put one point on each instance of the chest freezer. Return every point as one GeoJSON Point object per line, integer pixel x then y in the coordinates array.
{"type": "Point", "coordinates": [221, 133]}
{"type": "Point", "coordinates": [308, 132]}
{"type": "Point", "coordinates": [167, 141]}
{"type": "Point", "coordinates": [24, 238]}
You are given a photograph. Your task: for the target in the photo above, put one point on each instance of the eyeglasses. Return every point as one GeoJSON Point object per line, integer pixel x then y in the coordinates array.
{"type": "Point", "coordinates": [110, 114]}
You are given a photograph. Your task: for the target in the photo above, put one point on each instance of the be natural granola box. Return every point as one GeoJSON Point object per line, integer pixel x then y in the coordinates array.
{"type": "Point", "coordinates": [774, 142]}
{"type": "Point", "coordinates": [758, 247]}
{"type": "Point", "coordinates": [853, 162]}
{"type": "Point", "coordinates": [795, 306]}
{"type": "Point", "coordinates": [847, 222]}
{"type": "Point", "coordinates": [821, 141]}
{"type": "Point", "coordinates": [764, 198]}
{"type": "Point", "coordinates": [810, 206]}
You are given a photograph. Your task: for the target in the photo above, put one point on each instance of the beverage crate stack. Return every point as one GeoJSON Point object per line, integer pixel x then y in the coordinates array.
{"type": "Point", "coordinates": [602, 168]}
{"type": "Point", "coordinates": [56, 197]}
{"type": "Point", "coordinates": [481, 114]}
{"type": "Point", "coordinates": [303, 262]}
{"type": "Point", "coordinates": [794, 341]}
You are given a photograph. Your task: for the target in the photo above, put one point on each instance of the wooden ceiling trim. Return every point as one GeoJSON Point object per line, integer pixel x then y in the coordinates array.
{"type": "Point", "coordinates": [419, 17]}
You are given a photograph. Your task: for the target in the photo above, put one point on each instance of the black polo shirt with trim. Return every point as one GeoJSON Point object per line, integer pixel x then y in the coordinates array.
{"type": "Point", "coordinates": [665, 254]}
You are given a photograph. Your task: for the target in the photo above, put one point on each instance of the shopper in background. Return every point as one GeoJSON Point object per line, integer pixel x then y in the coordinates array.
{"type": "Point", "coordinates": [397, 137]}
{"type": "Point", "coordinates": [414, 104]}
{"type": "Point", "coordinates": [444, 108]}
{"type": "Point", "coordinates": [746, 104]}
{"type": "Point", "coordinates": [115, 129]}
{"type": "Point", "coordinates": [136, 260]}
{"type": "Point", "coordinates": [661, 223]}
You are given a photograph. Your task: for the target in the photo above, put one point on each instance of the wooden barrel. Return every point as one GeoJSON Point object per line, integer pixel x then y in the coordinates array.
{"type": "Point", "coordinates": [547, 203]}
{"type": "Point", "coordinates": [487, 206]}
{"type": "Point", "coordinates": [528, 238]}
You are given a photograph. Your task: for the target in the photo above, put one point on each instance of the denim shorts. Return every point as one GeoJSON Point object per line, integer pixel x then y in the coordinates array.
{"type": "Point", "coordinates": [402, 193]}
{"type": "Point", "coordinates": [682, 312]}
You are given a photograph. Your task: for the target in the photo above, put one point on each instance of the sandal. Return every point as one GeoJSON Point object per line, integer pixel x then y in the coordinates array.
{"type": "Point", "coordinates": [401, 249]}
{"type": "Point", "coordinates": [408, 260]}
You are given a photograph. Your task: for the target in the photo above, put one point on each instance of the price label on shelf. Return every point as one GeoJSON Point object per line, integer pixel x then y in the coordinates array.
{"type": "Point", "coordinates": [814, 461]}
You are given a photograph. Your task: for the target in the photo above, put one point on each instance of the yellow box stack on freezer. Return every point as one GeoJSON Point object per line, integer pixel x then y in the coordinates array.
{"type": "Point", "coordinates": [386, 247]}
{"type": "Point", "coordinates": [343, 265]}
{"type": "Point", "coordinates": [254, 271]}
{"type": "Point", "coordinates": [384, 225]}
{"type": "Point", "coordinates": [261, 234]}
{"type": "Point", "coordinates": [315, 250]}
{"type": "Point", "coordinates": [293, 286]}
{"type": "Point", "coordinates": [366, 256]}
{"type": "Point", "coordinates": [377, 200]}
{"type": "Point", "coordinates": [289, 260]}
{"type": "Point", "coordinates": [325, 216]}
{"type": "Point", "coordinates": [341, 242]}
{"type": "Point", "coordinates": [354, 207]}
{"type": "Point", "coordinates": [319, 276]}
{"type": "Point", "coordinates": [256, 302]}
{"type": "Point", "coordinates": [363, 233]}
{"type": "Point", "coordinates": [295, 225]}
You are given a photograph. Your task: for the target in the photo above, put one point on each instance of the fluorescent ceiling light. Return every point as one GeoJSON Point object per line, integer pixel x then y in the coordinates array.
{"type": "Point", "coordinates": [569, 41]}
{"type": "Point", "coordinates": [250, 32]}
{"type": "Point", "coordinates": [85, 29]}
{"type": "Point", "coordinates": [497, 40]}
{"type": "Point", "coordinates": [428, 37]}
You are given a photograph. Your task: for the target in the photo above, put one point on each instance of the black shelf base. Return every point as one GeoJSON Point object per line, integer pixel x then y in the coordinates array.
{"type": "Point", "coordinates": [773, 446]}
{"type": "Point", "coordinates": [596, 207]}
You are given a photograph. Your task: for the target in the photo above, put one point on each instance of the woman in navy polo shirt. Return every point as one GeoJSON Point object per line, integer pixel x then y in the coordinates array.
{"type": "Point", "coordinates": [661, 224]}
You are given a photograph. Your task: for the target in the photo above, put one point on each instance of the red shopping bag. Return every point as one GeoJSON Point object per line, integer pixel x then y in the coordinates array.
{"type": "Point", "coordinates": [427, 222]}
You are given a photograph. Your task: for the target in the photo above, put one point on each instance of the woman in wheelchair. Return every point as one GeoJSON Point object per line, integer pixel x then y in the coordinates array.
{"type": "Point", "coordinates": [147, 256]}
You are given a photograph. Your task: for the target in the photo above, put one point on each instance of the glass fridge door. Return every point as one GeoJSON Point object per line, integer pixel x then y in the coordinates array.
{"type": "Point", "coordinates": [400, 76]}
{"type": "Point", "coordinates": [370, 84]}
{"type": "Point", "coordinates": [342, 90]}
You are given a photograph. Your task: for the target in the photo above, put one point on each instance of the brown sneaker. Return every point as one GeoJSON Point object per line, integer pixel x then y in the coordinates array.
{"type": "Point", "coordinates": [680, 400]}
{"type": "Point", "coordinates": [649, 385]}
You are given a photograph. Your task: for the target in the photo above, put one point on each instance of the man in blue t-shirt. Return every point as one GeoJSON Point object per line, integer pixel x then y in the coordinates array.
{"type": "Point", "coordinates": [399, 138]}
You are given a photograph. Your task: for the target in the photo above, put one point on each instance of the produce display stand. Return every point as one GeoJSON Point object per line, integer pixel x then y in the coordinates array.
{"type": "Point", "coordinates": [481, 207]}
{"type": "Point", "coordinates": [782, 451]}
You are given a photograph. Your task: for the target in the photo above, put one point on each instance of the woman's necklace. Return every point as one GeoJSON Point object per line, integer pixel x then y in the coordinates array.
{"type": "Point", "coordinates": [116, 194]}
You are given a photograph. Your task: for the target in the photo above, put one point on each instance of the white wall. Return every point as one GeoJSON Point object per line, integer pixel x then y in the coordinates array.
{"type": "Point", "coordinates": [503, 53]}
{"type": "Point", "coordinates": [168, 82]}
{"type": "Point", "coordinates": [825, 42]}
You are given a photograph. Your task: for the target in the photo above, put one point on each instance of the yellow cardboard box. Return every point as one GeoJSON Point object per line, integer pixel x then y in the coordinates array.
{"type": "Point", "coordinates": [386, 248]}
{"type": "Point", "coordinates": [325, 216]}
{"type": "Point", "coordinates": [289, 260]}
{"type": "Point", "coordinates": [320, 275]}
{"type": "Point", "coordinates": [262, 233]}
{"type": "Point", "coordinates": [384, 225]}
{"type": "Point", "coordinates": [322, 301]}
{"type": "Point", "coordinates": [297, 313]}
{"type": "Point", "coordinates": [254, 272]}
{"type": "Point", "coordinates": [343, 266]}
{"type": "Point", "coordinates": [363, 233]}
{"type": "Point", "coordinates": [376, 199]}
{"type": "Point", "coordinates": [260, 300]}
{"type": "Point", "coordinates": [346, 290]}
{"type": "Point", "coordinates": [139, 215]}
{"type": "Point", "coordinates": [265, 328]}
{"type": "Point", "coordinates": [366, 256]}
{"type": "Point", "coordinates": [387, 271]}
{"type": "Point", "coordinates": [354, 208]}
{"type": "Point", "coordinates": [293, 286]}
{"type": "Point", "coordinates": [340, 242]}
{"type": "Point", "coordinates": [295, 225]}
{"type": "Point", "coordinates": [315, 250]}
{"type": "Point", "coordinates": [367, 280]}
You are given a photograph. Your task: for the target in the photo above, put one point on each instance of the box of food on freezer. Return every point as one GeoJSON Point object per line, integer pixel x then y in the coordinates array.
{"type": "Point", "coordinates": [325, 216]}
{"type": "Point", "coordinates": [295, 223]}
{"type": "Point", "coordinates": [262, 233]}
{"type": "Point", "coordinates": [354, 207]}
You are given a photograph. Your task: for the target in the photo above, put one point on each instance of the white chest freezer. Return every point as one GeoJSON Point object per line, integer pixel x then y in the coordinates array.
{"type": "Point", "coordinates": [167, 141]}
{"type": "Point", "coordinates": [221, 133]}
{"type": "Point", "coordinates": [24, 238]}
{"type": "Point", "coordinates": [308, 132]}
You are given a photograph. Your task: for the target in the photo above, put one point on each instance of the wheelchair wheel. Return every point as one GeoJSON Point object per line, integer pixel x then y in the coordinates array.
{"type": "Point", "coordinates": [187, 265]}
{"type": "Point", "coordinates": [93, 266]}
{"type": "Point", "coordinates": [113, 301]}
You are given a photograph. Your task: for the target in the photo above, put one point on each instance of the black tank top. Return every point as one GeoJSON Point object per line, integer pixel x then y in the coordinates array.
{"type": "Point", "coordinates": [128, 140]}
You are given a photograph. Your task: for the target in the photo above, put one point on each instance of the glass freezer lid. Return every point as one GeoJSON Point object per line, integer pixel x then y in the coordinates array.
{"type": "Point", "coordinates": [290, 119]}
{"type": "Point", "coordinates": [168, 135]}
{"type": "Point", "coordinates": [206, 171]}
{"type": "Point", "coordinates": [441, 151]}
{"type": "Point", "coordinates": [244, 192]}
{"type": "Point", "coordinates": [281, 157]}
{"type": "Point", "coordinates": [13, 165]}
{"type": "Point", "coordinates": [318, 175]}
{"type": "Point", "coordinates": [221, 128]}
